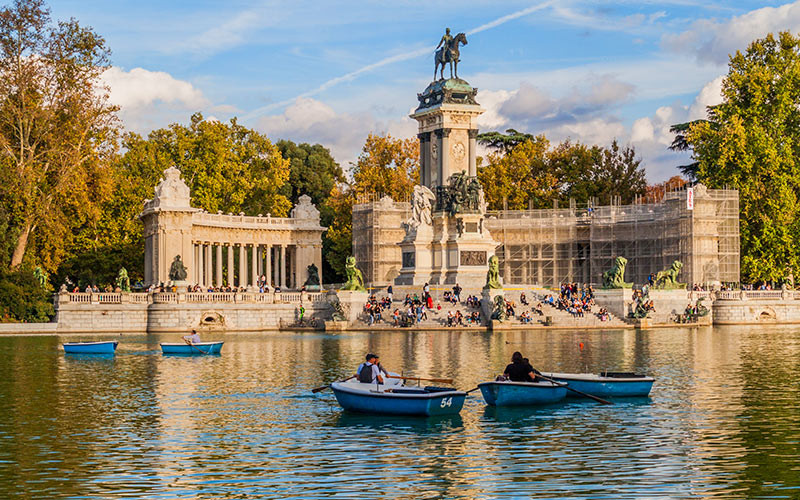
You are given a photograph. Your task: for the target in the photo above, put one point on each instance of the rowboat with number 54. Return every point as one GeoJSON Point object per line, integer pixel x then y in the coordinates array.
{"type": "Point", "coordinates": [394, 398]}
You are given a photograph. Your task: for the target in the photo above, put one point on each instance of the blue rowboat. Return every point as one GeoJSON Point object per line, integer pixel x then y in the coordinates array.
{"type": "Point", "coordinates": [507, 393]}
{"type": "Point", "coordinates": [198, 348]}
{"type": "Point", "coordinates": [606, 384]}
{"type": "Point", "coordinates": [396, 399]}
{"type": "Point", "coordinates": [90, 347]}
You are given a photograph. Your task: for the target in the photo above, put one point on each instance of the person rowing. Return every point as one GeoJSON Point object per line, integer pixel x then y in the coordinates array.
{"type": "Point", "coordinates": [520, 370]}
{"type": "Point", "coordinates": [371, 371]}
{"type": "Point", "coordinates": [194, 338]}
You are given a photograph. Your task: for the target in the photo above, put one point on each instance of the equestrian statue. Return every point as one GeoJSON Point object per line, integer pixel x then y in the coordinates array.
{"type": "Point", "coordinates": [448, 53]}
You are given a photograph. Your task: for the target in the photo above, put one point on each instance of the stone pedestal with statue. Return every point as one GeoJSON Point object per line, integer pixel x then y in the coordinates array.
{"type": "Point", "coordinates": [446, 240]}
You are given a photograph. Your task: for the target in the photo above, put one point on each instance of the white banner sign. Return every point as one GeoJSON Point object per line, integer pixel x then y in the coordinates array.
{"type": "Point", "coordinates": [690, 199]}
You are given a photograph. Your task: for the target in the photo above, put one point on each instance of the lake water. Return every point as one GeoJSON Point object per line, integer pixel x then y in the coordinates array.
{"type": "Point", "coordinates": [722, 420]}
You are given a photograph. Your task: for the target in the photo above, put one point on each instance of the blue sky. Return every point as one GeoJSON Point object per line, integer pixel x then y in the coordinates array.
{"type": "Point", "coordinates": [333, 71]}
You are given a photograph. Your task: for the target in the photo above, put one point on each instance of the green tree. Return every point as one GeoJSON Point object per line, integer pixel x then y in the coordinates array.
{"type": "Point", "coordinates": [228, 168]}
{"type": "Point", "coordinates": [504, 143]}
{"type": "Point", "coordinates": [57, 130]}
{"type": "Point", "coordinates": [312, 171]}
{"type": "Point", "coordinates": [618, 172]}
{"type": "Point", "coordinates": [751, 142]}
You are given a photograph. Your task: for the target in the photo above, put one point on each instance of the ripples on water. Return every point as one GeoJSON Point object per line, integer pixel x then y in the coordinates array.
{"type": "Point", "coordinates": [722, 420]}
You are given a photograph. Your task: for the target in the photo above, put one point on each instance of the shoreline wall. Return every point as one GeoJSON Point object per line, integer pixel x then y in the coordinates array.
{"type": "Point", "coordinates": [180, 312]}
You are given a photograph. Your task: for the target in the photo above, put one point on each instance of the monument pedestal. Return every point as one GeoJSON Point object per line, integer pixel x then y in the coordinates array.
{"type": "Point", "coordinates": [454, 249]}
{"type": "Point", "coordinates": [488, 296]}
{"type": "Point", "coordinates": [352, 303]}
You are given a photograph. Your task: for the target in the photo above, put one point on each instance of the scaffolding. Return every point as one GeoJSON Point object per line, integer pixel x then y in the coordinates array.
{"type": "Point", "coordinates": [549, 247]}
{"type": "Point", "coordinates": [377, 232]}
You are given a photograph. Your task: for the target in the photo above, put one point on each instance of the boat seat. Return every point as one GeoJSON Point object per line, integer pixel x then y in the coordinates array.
{"type": "Point", "coordinates": [621, 375]}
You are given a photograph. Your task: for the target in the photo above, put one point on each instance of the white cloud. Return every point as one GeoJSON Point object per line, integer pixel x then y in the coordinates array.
{"type": "Point", "coordinates": [712, 41]}
{"type": "Point", "coordinates": [139, 88]}
{"type": "Point", "coordinates": [710, 95]}
{"type": "Point", "coordinates": [151, 99]}
{"type": "Point", "coordinates": [309, 120]}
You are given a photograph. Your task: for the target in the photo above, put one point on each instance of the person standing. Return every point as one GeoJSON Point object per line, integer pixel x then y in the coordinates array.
{"type": "Point", "coordinates": [389, 292]}
{"type": "Point", "coordinates": [457, 292]}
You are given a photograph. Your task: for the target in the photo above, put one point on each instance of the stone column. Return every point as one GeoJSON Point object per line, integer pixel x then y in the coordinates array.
{"type": "Point", "coordinates": [424, 163]}
{"type": "Point", "coordinates": [242, 266]}
{"type": "Point", "coordinates": [444, 153]}
{"type": "Point", "coordinates": [254, 271]}
{"type": "Point", "coordinates": [197, 264]}
{"type": "Point", "coordinates": [473, 147]}
{"type": "Point", "coordinates": [268, 270]}
{"type": "Point", "coordinates": [230, 264]}
{"type": "Point", "coordinates": [283, 267]}
{"type": "Point", "coordinates": [209, 268]}
{"type": "Point", "coordinates": [219, 265]}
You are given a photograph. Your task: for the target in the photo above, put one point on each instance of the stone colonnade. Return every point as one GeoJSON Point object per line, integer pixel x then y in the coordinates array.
{"type": "Point", "coordinates": [226, 249]}
{"type": "Point", "coordinates": [242, 264]}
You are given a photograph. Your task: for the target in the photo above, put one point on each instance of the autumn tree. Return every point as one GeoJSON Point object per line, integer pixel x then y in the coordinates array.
{"type": "Point", "coordinates": [57, 130]}
{"type": "Point", "coordinates": [386, 167]}
{"type": "Point", "coordinates": [751, 142]}
{"type": "Point", "coordinates": [655, 193]}
{"type": "Point", "coordinates": [519, 177]}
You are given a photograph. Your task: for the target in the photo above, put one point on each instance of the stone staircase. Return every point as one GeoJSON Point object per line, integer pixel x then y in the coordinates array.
{"type": "Point", "coordinates": [563, 318]}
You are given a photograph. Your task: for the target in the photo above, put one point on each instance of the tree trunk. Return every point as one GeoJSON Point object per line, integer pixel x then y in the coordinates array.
{"type": "Point", "coordinates": [22, 244]}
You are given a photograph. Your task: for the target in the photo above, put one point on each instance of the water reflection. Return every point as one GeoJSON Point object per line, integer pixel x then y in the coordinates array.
{"type": "Point", "coordinates": [721, 420]}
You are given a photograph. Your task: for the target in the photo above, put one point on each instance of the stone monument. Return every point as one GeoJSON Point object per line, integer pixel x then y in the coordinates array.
{"type": "Point", "coordinates": [446, 240]}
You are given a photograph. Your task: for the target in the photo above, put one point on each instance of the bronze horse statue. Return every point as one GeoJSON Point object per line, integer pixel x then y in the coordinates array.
{"type": "Point", "coordinates": [449, 55]}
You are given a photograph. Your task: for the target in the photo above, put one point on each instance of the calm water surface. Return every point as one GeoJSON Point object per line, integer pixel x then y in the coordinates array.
{"type": "Point", "coordinates": [722, 420]}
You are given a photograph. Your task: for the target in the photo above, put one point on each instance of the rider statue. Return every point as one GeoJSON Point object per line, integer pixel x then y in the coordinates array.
{"type": "Point", "coordinates": [446, 41]}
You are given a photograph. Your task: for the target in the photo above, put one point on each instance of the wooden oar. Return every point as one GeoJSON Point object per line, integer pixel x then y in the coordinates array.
{"type": "Point", "coordinates": [194, 347]}
{"type": "Point", "coordinates": [440, 380]}
{"type": "Point", "coordinates": [322, 388]}
{"type": "Point", "coordinates": [472, 390]}
{"type": "Point", "coordinates": [576, 391]}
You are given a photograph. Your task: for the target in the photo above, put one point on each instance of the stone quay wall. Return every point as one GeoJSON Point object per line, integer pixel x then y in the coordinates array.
{"type": "Point", "coordinates": [180, 312]}
{"type": "Point", "coordinates": [752, 307]}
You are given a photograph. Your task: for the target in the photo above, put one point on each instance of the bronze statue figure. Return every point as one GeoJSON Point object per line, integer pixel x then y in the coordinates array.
{"type": "Point", "coordinates": [177, 271]}
{"type": "Point", "coordinates": [448, 53]}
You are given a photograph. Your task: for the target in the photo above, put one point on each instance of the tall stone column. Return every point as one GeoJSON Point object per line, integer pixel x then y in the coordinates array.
{"type": "Point", "coordinates": [230, 264]}
{"type": "Point", "coordinates": [424, 162]}
{"type": "Point", "coordinates": [268, 265]}
{"type": "Point", "coordinates": [242, 265]}
{"type": "Point", "coordinates": [197, 264]}
{"type": "Point", "coordinates": [208, 268]}
{"type": "Point", "coordinates": [218, 280]}
{"type": "Point", "coordinates": [473, 148]}
{"type": "Point", "coordinates": [283, 267]}
{"type": "Point", "coordinates": [444, 153]}
{"type": "Point", "coordinates": [254, 263]}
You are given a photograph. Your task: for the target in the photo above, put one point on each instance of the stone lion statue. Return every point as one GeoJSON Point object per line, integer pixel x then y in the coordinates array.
{"type": "Point", "coordinates": [493, 275]}
{"type": "Point", "coordinates": [668, 278]}
{"type": "Point", "coordinates": [177, 271]}
{"type": "Point", "coordinates": [123, 282]}
{"type": "Point", "coordinates": [615, 277]}
{"type": "Point", "coordinates": [499, 309]}
{"type": "Point", "coordinates": [355, 280]}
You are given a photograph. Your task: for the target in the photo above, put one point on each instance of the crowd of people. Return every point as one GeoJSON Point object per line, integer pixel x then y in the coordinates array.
{"type": "Point", "coordinates": [573, 299]}
{"type": "Point", "coordinates": [415, 308]}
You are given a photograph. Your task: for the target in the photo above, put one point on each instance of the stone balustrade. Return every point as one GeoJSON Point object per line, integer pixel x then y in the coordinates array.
{"type": "Point", "coordinates": [190, 298]}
